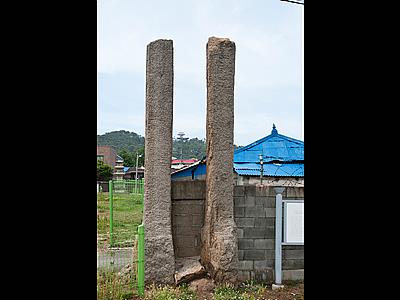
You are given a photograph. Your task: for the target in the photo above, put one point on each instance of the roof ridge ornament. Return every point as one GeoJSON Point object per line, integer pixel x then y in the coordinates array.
{"type": "Point", "coordinates": [274, 131]}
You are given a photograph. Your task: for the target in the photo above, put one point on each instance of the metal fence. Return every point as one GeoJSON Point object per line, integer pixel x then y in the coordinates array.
{"type": "Point", "coordinates": [126, 210]}
{"type": "Point", "coordinates": [119, 215]}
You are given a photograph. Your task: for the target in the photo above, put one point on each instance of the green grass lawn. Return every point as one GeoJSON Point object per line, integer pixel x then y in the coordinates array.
{"type": "Point", "coordinates": [111, 285]}
{"type": "Point", "coordinates": [127, 215]}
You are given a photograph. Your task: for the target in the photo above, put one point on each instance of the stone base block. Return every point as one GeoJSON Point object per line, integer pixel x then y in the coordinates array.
{"type": "Point", "coordinates": [277, 286]}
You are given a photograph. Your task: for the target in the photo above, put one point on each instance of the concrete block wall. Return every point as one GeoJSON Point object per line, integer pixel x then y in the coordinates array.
{"type": "Point", "coordinates": [254, 209]}
{"type": "Point", "coordinates": [255, 221]}
{"type": "Point", "coordinates": [187, 216]}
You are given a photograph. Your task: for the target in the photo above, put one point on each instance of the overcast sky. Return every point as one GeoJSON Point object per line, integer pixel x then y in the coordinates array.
{"type": "Point", "coordinates": [269, 63]}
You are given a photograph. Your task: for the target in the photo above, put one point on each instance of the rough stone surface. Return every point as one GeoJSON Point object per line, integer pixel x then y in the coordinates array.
{"type": "Point", "coordinates": [219, 252]}
{"type": "Point", "coordinates": [159, 251]}
{"type": "Point", "coordinates": [188, 269]}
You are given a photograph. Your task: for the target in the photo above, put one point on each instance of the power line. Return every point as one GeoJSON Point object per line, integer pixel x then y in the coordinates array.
{"type": "Point", "coordinates": [297, 2]}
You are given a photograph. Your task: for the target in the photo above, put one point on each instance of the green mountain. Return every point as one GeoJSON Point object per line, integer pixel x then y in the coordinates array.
{"type": "Point", "coordinates": [191, 148]}
{"type": "Point", "coordinates": [125, 141]}
{"type": "Point", "coordinates": [121, 140]}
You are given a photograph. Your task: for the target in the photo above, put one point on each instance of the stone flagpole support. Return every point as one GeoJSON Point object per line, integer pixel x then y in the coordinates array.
{"type": "Point", "coordinates": [159, 250]}
{"type": "Point", "coordinates": [219, 253]}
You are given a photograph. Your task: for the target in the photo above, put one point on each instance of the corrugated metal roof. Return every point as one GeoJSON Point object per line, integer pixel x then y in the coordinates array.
{"type": "Point", "coordinates": [288, 153]}
{"type": "Point", "coordinates": [270, 169]}
{"type": "Point", "coordinates": [187, 167]}
{"type": "Point", "coordinates": [185, 161]}
{"type": "Point", "coordinates": [273, 147]}
{"type": "Point", "coordinates": [193, 171]}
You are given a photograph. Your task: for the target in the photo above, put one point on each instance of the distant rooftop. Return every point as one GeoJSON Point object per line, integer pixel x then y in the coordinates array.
{"type": "Point", "coordinates": [282, 156]}
{"type": "Point", "coordinates": [183, 161]}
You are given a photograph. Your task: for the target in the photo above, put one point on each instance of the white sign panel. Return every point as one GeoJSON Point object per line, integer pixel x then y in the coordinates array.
{"type": "Point", "coordinates": [294, 222]}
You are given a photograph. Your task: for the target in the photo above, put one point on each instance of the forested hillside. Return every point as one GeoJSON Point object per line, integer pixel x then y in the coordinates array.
{"type": "Point", "coordinates": [128, 144]}
{"type": "Point", "coordinates": [121, 140]}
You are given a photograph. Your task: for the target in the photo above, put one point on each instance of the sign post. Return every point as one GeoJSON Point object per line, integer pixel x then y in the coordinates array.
{"type": "Point", "coordinates": [278, 238]}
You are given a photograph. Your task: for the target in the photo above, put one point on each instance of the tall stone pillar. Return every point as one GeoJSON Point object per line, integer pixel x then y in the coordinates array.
{"type": "Point", "coordinates": [159, 250]}
{"type": "Point", "coordinates": [219, 252]}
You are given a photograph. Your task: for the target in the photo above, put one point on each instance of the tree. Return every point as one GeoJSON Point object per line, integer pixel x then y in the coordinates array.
{"type": "Point", "coordinates": [104, 171]}
{"type": "Point", "coordinates": [190, 148]}
{"type": "Point", "coordinates": [122, 139]}
{"type": "Point", "coordinates": [130, 157]}
{"type": "Point", "coordinates": [129, 160]}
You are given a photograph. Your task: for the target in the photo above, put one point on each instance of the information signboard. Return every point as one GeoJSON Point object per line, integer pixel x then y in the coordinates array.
{"type": "Point", "coordinates": [293, 232]}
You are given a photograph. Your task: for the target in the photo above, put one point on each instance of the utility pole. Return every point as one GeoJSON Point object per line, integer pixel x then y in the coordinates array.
{"type": "Point", "coordinates": [260, 156]}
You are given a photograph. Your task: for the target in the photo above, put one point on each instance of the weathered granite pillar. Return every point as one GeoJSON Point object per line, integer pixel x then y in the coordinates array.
{"type": "Point", "coordinates": [159, 250]}
{"type": "Point", "coordinates": [219, 252]}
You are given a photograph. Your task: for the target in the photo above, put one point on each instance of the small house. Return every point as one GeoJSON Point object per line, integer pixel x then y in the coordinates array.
{"type": "Point", "coordinates": [274, 160]}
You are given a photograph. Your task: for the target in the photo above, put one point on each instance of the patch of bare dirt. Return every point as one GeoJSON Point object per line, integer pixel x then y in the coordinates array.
{"type": "Point", "coordinates": [203, 288]}
{"type": "Point", "coordinates": [289, 292]}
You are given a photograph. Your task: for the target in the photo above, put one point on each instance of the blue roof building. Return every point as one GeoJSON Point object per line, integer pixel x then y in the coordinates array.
{"type": "Point", "coordinates": [282, 162]}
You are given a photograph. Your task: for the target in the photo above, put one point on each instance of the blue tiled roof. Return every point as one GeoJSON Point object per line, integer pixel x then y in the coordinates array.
{"type": "Point", "coordinates": [285, 169]}
{"type": "Point", "coordinates": [282, 156]}
{"type": "Point", "coordinates": [273, 147]}
{"type": "Point", "coordinates": [193, 171]}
